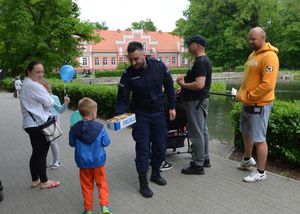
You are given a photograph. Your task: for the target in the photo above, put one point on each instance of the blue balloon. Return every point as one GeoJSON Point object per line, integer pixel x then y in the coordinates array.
{"type": "Point", "coordinates": [67, 73]}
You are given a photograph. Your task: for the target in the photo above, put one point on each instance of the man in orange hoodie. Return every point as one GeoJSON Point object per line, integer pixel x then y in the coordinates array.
{"type": "Point", "coordinates": [257, 94]}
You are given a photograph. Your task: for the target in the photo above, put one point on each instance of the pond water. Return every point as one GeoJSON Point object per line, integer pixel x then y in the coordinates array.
{"type": "Point", "coordinates": [219, 121]}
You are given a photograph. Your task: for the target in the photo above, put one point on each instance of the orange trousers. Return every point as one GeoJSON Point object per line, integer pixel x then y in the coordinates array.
{"type": "Point", "coordinates": [87, 179]}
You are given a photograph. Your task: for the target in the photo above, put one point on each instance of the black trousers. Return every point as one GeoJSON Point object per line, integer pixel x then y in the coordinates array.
{"type": "Point", "coordinates": [149, 128]}
{"type": "Point", "coordinates": [40, 147]}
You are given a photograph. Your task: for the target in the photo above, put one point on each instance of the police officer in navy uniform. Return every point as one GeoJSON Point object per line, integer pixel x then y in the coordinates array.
{"type": "Point", "coordinates": [143, 82]}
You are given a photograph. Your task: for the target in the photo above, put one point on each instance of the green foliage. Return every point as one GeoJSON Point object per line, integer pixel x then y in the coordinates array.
{"type": "Point", "coordinates": [225, 25]}
{"type": "Point", "coordinates": [219, 86]}
{"type": "Point", "coordinates": [99, 25]}
{"type": "Point", "coordinates": [8, 84]}
{"type": "Point", "coordinates": [49, 31]}
{"type": "Point", "coordinates": [283, 134]}
{"type": "Point", "coordinates": [115, 73]}
{"type": "Point", "coordinates": [105, 96]}
{"type": "Point", "coordinates": [239, 69]}
{"type": "Point", "coordinates": [118, 73]}
{"type": "Point", "coordinates": [146, 25]}
{"type": "Point", "coordinates": [122, 66]}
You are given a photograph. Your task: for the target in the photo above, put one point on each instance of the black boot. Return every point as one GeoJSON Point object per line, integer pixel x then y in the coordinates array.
{"type": "Point", "coordinates": [156, 178]}
{"type": "Point", "coordinates": [1, 193]}
{"type": "Point", "coordinates": [207, 163]}
{"type": "Point", "coordinates": [144, 187]}
{"type": "Point", "coordinates": [193, 170]}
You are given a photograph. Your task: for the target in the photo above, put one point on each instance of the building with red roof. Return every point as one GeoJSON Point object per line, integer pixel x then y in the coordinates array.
{"type": "Point", "coordinates": [111, 51]}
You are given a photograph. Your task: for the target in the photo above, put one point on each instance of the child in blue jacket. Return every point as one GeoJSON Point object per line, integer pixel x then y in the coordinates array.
{"type": "Point", "coordinates": [89, 139]}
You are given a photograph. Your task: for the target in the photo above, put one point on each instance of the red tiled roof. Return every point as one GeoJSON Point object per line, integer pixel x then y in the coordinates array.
{"type": "Point", "coordinates": [166, 42]}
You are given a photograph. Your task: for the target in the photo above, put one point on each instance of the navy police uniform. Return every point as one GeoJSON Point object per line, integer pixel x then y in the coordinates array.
{"type": "Point", "coordinates": [143, 90]}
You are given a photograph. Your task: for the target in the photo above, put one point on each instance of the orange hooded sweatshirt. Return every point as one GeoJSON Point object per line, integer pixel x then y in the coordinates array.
{"type": "Point", "coordinates": [260, 76]}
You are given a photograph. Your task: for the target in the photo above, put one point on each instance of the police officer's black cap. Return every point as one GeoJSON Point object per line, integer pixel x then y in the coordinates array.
{"type": "Point", "coordinates": [196, 39]}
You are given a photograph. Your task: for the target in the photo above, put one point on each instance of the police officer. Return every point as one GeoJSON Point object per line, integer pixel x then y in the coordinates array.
{"type": "Point", "coordinates": [145, 80]}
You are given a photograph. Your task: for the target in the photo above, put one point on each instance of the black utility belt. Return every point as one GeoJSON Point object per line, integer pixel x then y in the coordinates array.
{"type": "Point", "coordinates": [253, 109]}
{"type": "Point", "coordinates": [148, 109]}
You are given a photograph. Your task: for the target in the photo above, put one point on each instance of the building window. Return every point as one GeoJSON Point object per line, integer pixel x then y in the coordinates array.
{"type": "Point", "coordinates": [173, 60]}
{"type": "Point", "coordinates": [121, 60]}
{"type": "Point", "coordinates": [84, 61]}
{"type": "Point", "coordinates": [97, 61]}
{"type": "Point", "coordinates": [183, 60]}
{"type": "Point", "coordinates": [160, 58]}
{"type": "Point", "coordinates": [113, 61]}
{"type": "Point", "coordinates": [167, 60]}
{"type": "Point", "coordinates": [145, 47]}
{"type": "Point", "coordinates": [105, 61]}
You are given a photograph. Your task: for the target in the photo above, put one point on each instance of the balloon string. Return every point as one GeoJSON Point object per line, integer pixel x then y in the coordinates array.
{"type": "Point", "coordinates": [65, 89]}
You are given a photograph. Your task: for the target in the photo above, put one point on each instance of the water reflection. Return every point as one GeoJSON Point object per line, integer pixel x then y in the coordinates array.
{"type": "Point", "coordinates": [219, 121]}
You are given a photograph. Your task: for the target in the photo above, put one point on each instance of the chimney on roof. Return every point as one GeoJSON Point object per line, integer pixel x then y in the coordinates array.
{"type": "Point", "coordinates": [119, 31]}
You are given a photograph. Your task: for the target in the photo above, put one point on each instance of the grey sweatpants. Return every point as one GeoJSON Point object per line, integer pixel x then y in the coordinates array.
{"type": "Point", "coordinates": [197, 129]}
{"type": "Point", "coordinates": [55, 150]}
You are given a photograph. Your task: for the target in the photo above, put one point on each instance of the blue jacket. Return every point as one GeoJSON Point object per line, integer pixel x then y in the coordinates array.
{"type": "Point", "coordinates": [146, 86]}
{"type": "Point", "coordinates": [89, 139]}
{"type": "Point", "coordinates": [57, 107]}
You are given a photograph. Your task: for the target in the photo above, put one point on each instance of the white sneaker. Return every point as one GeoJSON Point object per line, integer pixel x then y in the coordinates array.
{"type": "Point", "coordinates": [56, 165]}
{"type": "Point", "coordinates": [255, 176]}
{"type": "Point", "coordinates": [246, 164]}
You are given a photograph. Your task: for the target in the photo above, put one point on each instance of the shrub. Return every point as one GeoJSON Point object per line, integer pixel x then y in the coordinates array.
{"type": "Point", "coordinates": [239, 69]}
{"type": "Point", "coordinates": [122, 66]}
{"type": "Point", "coordinates": [52, 75]}
{"type": "Point", "coordinates": [118, 73]}
{"type": "Point", "coordinates": [283, 133]}
{"type": "Point", "coordinates": [217, 69]}
{"type": "Point", "coordinates": [219, 86]}
{"type": "Point", "coordinates": [105, 96]}
{"type": "Point", "coordinates": [8, 84]}
{"type": "Point", "coordinates": [114, 73]}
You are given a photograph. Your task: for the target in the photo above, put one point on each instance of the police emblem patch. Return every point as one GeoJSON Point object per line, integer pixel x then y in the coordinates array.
{"type": "Point", "coordinates": [269, 68]}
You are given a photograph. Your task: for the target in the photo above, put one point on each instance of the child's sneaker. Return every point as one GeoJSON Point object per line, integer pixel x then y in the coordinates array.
{"type": "Point", "coordinates": [87, 212]}
{"type": "Point", "coordinates": [56, 165]}
{"type": "Point", "coordinates": [105, 210]}
{"type": "Point", "coordinates": [165, 166]}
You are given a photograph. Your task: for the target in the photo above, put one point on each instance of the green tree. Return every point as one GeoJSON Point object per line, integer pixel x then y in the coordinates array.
{"type": "Point", "coordinates": [287, 33]}
{"type": "Point", "coordinates": [46, 30]}
{"type": "Point", "coordinates": [224, 24]}
{"type": "Point", "coordinates": [100, 25]}
{"type": "Point", "coordinates": [146, 25]}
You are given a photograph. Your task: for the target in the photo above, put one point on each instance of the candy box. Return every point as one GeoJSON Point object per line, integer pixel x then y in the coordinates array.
{"type": "Point", "coordinates": [121, 121]}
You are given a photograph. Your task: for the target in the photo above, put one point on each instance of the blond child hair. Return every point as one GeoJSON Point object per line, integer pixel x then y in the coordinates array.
{"type": "Point", "coordinates": [87, 107]}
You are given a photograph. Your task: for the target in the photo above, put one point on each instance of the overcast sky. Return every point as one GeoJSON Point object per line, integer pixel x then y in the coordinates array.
{"type": "Point", "coordinates": [119, 14]}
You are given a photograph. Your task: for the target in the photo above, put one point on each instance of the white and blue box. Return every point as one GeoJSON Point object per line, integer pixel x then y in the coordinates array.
{"type": "Point", "coordinates": [120, 122]}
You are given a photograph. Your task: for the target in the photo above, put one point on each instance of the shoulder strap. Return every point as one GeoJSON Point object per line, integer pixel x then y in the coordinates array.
{"type": "Point", "coordinates": [31, 116]}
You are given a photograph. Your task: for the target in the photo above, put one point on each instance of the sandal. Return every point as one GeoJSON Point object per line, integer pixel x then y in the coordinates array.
{"type": "Point", "coordinates": [50, 184]}
{"type": "Point", "coordinates": [36, 183]}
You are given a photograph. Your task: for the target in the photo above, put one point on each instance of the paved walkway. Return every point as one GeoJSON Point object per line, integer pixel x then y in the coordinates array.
{"type": "Point", "coordinates": [219, 191]}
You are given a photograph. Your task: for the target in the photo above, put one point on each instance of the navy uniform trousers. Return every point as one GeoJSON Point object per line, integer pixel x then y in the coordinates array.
{"type": "Point", "coordinates": [150, 130]}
